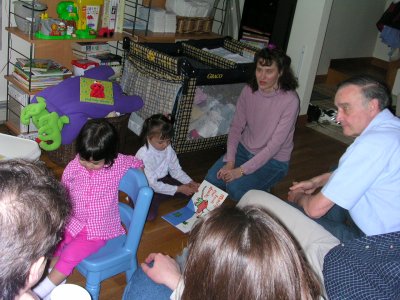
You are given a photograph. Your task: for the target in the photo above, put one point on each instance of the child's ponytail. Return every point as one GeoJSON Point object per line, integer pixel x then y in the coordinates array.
{"type": "Point", "coordinates": [157, 124]}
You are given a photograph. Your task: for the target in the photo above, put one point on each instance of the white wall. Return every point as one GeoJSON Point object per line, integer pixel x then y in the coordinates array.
{"type": "Point", "coordinates": [3, 59]}
{"type": "Point", "coordinates": [381, 50]}
{"type": "Point", "coordinates": [352, 32]}
{"type": "Point", "coordinates": [305, 44]}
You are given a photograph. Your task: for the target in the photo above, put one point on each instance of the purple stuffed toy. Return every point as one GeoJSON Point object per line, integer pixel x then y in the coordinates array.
{"type": "Point", "coordinates": [64, 98]}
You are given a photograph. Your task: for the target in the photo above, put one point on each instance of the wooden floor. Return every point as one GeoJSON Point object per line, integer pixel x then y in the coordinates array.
{"type": "Point", "coordinates": [313, 154]}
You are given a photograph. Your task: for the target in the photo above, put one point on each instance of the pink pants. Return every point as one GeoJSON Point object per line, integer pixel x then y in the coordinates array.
{"type": "Point", "coordinates": [72, 250]}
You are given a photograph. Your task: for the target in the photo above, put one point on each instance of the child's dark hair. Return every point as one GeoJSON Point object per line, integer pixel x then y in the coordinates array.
{"type": "Point", "coordinates": [98, 140]}
{"type": "Point", "coordinates": [266, 57]}
{"type": "Point", "coordinates": [157, 124]}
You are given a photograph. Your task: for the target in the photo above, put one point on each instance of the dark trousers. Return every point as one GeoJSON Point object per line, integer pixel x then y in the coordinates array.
{"type": "Point", "coordinates": [158, 198]}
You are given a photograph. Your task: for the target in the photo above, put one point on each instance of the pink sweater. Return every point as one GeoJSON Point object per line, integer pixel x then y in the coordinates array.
{"type": "Point", "coordinates": [264, 124]}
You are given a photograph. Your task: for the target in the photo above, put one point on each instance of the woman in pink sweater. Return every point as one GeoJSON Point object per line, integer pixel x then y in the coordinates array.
{"type": "Point", "coordinates": [260, 139]}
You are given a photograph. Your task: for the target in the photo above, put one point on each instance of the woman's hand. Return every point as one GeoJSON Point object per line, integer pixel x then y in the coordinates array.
{"type": "Point", "coordinates": [233, 174]}
{"type": "Point", "coordinates": [230, 165]}
{"type": "Point", "coordinates": [165, 270]}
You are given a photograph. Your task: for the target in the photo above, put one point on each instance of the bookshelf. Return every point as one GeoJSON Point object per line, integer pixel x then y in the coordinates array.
{"type": "Point", "coordinates": [25, 45]}
{"type": "Point", "coordinates": [131, 18]}
{"type": "Point", "coordinates": [273, 21]}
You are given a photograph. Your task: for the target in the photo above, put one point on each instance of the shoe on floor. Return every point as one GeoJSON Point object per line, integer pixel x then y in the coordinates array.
{"type": "Point", "coordinates": [328, 117]}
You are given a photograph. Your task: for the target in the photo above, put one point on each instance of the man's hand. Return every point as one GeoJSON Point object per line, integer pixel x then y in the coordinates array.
{"type": "Point", "coordinates": [306, 186]}
{"type": "Point", "coordinates": [299, 197]}
{"type": "Point", "coordinates": [165, 270]}
{"type": "Point", "coordinates": [311, 185]}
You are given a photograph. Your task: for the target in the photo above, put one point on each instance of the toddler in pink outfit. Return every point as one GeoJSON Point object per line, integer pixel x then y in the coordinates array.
{"type": "Point", "coordinates": [92, 179]}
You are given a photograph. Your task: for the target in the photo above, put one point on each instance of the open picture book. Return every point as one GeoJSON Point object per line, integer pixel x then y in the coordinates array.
{"type": "Point", "coordinates": [207, 198]}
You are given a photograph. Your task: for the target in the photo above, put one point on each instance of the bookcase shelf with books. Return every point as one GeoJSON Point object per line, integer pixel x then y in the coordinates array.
{"type": "Point", "coordinates": [272, 24]}
{"type": "Point", "coordinates": [136, 25]}
{"type": "Point", "coordinates": [27, 46]}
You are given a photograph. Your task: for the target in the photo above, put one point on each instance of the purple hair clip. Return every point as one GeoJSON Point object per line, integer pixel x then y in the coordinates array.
{"type": "Point", "coordinates": [271, 46]}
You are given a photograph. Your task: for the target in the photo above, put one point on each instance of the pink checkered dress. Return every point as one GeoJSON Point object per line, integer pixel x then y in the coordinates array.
{"type": "Point", "coordinates": [94, 196]}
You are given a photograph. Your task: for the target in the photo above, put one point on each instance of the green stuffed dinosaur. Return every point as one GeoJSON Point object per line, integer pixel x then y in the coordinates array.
{"type": "Point", "coordinates": [49, 125]}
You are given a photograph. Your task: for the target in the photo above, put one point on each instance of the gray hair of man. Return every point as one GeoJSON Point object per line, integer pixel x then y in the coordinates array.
{"type": "Point", "coordinates": [370, 88]}
{"type": "Point", "coordinates": [34, 208]}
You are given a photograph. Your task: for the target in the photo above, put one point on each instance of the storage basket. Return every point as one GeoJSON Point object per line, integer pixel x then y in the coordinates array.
{"type": "Point", "coordinates": [194, 24]}
{"type": "Point", "coordinates": [65, 153]}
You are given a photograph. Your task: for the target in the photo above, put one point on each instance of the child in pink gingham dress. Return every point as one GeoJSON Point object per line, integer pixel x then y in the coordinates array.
{"type": "Point", "coordinates": [92, 179]}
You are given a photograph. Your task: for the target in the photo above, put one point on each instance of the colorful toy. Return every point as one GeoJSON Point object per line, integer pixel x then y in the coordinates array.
{"type": "Point", "coordinates": [49, 124]}
{"type": "Point", "coordinates": [67, 11]}
{"type": "Point", "coordinates": [97, 90]}
{"type": "Point", "coordinates": [65, 99]}
{"type": "Point", "coordinates": [88, 12]}
{"type": "Point", "coordinates": [108, 21]}
{"type": "Point", "coordinates": [52, 29]}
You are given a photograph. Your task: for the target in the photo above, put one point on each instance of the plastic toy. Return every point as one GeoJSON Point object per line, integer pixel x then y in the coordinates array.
{"type": "Point", "coordinates": [67, 11]}
{"type": "Point", "coordinates": [63, 27]}
{"type": "Point", "coordinates": [108, 24]}
{"type": "Point", "coordinates": [65, 99]}
{"type": "Point", "coordinates": [88, 12]}
{"type": "Point", "coordinates": [49, 124]}
{"type": "Point", "coordinates": [52, 29]}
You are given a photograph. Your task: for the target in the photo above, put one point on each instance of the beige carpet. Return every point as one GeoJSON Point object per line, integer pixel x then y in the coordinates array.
{"type": "Point", "coordinates": [331, 131]}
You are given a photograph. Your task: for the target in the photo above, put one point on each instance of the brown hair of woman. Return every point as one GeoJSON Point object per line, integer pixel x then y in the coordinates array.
{"type": "Point", "coordinates": [244, 253]}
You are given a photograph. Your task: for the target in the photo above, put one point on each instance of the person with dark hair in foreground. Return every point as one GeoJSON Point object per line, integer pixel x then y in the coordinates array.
{"type": "Point", "coordinates": [33, 210]}
{"type": "Point", "coordinates": [233, 253]}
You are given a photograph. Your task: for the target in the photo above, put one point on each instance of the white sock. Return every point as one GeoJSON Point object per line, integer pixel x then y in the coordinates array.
{"type": "Point", "coordinates": [44, 288]}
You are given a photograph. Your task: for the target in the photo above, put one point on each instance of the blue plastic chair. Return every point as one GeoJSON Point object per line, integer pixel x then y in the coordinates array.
{"type": "Point", "coordinates": [120, 254]}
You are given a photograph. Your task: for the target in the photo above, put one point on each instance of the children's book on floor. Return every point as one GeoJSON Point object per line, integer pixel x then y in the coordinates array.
{"type": "Point", "coordinates": [207, 198]}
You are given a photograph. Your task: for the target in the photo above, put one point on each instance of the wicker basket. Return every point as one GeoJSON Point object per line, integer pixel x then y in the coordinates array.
{"type": "Point", "coordinates": [65, 153]}
{"type": "Point", "coordinates": [194, 24]}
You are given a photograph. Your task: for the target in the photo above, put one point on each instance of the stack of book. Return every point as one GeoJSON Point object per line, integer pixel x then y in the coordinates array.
{"type": "Point", "coordinates": [255, 37]}
{"type": "Point", "coordinates": [37, 74]}
{"type": "Point", "coordinates": [84, 50]}
{"type": "Point", "coordinates": [98, 52]}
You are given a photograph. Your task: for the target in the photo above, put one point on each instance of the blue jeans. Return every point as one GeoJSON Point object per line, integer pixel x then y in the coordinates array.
{"type": "Point", "coordinates": [262, 179]}
{"type": "Point", "coordinates": [338, 222]}
{"type": "Point", "coordinates": [140, 286]}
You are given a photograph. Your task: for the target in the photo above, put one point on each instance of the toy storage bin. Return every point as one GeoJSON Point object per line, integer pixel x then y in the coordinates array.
{"type": "Point", "coordinates": [167, 77]}
{"type": "Point", "coordinates": [16, 147]}
{"type": "Point", "coordinates": [23, 13]}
